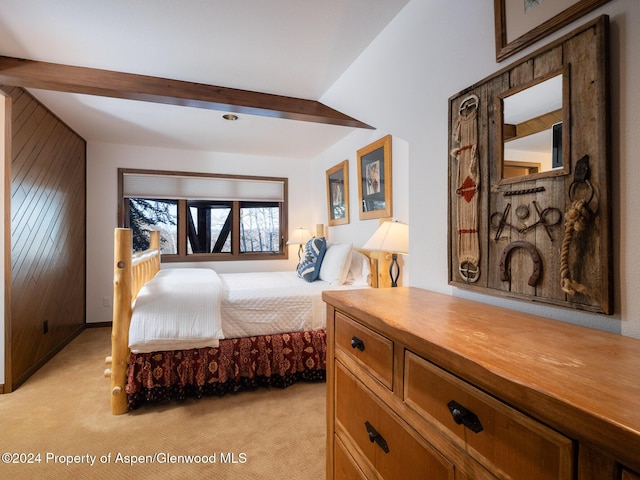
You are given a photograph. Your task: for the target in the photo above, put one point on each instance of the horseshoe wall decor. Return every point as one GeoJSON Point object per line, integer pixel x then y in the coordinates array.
{"type": "Point", "coordinates": [535, 256]}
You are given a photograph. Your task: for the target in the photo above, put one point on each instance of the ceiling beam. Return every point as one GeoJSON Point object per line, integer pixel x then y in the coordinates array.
{"type": "Point", "coordinates": [19, 72]}
{"type": "Point", "coordinates": [534, 125]}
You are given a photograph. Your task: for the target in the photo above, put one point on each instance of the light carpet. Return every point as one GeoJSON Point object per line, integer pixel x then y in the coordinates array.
{"type": "Point", "coordinates": [58, 425]}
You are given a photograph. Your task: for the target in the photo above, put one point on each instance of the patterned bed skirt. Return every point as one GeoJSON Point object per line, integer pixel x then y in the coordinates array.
{"type": "Point", "coordinates": [236, 364]}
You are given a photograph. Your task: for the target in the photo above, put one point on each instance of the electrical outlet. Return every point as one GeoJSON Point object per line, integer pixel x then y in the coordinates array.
{"type": "Point", "coordinates": [45, 326]}
{"type": "Point", "coordinates": [106, 301]}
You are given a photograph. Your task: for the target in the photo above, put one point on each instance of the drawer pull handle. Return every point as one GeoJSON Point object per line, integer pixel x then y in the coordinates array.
{"type": "Point", "coordinates": [357, 343]}
{"type": "Point", "coordinates": [374, 436]}
{"type": "Point", "coordinates": [465, 417]}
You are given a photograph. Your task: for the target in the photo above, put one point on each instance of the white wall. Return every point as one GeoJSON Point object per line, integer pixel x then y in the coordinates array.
{"type": "Point", "coordinates": [402, 83]}
{"type": "Point", "coordinates": [357, 231]}
{"type": "Point", "coordinates": [102, 164]}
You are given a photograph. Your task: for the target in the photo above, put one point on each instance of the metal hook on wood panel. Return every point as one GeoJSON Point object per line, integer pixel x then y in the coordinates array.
{"type": "Point", "coordinates": [581, 176]}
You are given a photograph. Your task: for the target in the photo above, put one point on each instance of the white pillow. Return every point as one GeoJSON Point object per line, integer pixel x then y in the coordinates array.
{"type": "Point", "coordinates": [359, 271]}
{"type": "Point", "coordinates": [336, 263]}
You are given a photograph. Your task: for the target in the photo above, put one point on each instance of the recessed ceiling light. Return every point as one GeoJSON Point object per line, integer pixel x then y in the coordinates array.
{"type": "Point", "coordinates": [230, 116]}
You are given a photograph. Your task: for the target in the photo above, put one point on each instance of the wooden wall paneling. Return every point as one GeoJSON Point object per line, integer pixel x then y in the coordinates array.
{"type": "Point", "coordinates": [48, 223]}
{"type": "Point", "coordinates": [45, 211]}
{"type": "Point", "coordinates": [6, 165]}
{"type": "Point", "coordinates": [25, 120]}
{"type": "Point", "coordinates": [69, 300]}
{"type": "Point", "coordinates": [30, 219]}
{"type": "Point", "coordinates": [52, 219]}
{"type": "Point", "coordinates": [32, 160]}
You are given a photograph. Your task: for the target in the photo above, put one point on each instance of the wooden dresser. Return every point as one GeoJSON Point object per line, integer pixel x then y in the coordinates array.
{"type": "Point", "coordinates": [428, 386]}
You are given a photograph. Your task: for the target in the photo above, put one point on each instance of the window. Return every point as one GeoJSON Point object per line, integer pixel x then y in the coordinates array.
{"type": "Point", "coordinates": [205, 217]}
{"type": "Point", "coordinates": [148, 214]}
{"type": "Point", "coordinates": [259, 224]}
{"type": "Point", "coordinates": [209, 228]}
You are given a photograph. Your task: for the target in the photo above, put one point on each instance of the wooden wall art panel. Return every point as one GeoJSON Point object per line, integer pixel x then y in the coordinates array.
{"type": "Point", "coordinates": [542, 233]}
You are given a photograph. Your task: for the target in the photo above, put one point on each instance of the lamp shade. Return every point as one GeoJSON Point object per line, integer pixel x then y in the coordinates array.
{"type": "Point", "coordinates": [390, 237]}
{"type": "Point", "coordinates": [299, 236]}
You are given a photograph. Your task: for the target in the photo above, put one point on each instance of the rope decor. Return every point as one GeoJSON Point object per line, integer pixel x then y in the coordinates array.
{"type": "Point", "coordinates": [465, 134]}
{"type": "Point", "coordinates": [576, 220]}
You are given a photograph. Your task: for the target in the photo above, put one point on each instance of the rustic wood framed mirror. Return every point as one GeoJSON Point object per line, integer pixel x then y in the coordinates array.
{"type": "Point", "coordinates": [535, 128]}
{"type": "Point", "coordinates": [542, 233]}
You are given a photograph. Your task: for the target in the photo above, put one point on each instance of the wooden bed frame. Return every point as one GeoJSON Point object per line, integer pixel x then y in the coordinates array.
{"type": "Point", "coordinates": [131, 272]}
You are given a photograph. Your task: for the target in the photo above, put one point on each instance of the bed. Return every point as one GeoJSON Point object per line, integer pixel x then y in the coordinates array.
{"type": "Point", "coordinates": [248, 346]}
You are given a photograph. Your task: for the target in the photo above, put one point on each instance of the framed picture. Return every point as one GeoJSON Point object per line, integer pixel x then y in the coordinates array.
{"type": "Point", "coordinates": [338, 194]}
{"type": "Point", "coordinates": [374, 179]}
{"type": "Point", "coordinates": [520, 23]}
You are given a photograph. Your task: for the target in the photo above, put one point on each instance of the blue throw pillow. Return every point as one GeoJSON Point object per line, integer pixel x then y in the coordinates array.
{"type": "Point", "coordinates": [309, 266]}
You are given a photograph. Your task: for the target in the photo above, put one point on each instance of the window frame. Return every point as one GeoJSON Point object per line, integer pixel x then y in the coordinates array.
{"type": "Point", "coordinates": [235, 254]}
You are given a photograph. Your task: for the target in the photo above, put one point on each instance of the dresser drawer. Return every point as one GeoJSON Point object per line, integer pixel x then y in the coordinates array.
{"type": "Point", "coordinates": [504, 439]}
{"type": "Point", "coordinates": [369, 348]}
{"type": "Point", "coordinates": [392, 450]}
{"type": "Point", "coordinates": [345, 467]}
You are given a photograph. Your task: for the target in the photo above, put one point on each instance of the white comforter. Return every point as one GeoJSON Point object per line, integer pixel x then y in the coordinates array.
{"type": "Point", "coordinates": [178, 309]}
{"type": "Point", "coordinates": [183, 308]}
{"type": "Point", "coordinates": [267, 303]}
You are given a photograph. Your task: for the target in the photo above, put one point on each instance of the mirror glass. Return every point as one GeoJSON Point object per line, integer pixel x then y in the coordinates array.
{"type": "Point", "coordinates": [532, 129]}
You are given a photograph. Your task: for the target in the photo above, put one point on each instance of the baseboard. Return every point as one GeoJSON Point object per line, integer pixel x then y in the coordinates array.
{"type": "Point", "coordinates": [98, 324]}
{"type": "Point", "coordinates": [1, 388]}
{"type": "Point", "coordinates": [40, 363]}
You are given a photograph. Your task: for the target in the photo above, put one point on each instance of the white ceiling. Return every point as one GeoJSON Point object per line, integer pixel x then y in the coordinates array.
{"type": "Point", "coordinates": [296, 48]}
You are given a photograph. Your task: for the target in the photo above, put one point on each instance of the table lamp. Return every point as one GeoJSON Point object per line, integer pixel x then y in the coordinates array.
{"type": "Point", "coordinates": [300, 236]}
{"type": "Point", "coordinates": [391, 237]}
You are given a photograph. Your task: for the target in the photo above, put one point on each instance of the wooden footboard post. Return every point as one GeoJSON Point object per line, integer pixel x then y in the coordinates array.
{"type": "Point", "coordinates": [123, 246]}
{"type": "Point", "coordinates": [154, 239]}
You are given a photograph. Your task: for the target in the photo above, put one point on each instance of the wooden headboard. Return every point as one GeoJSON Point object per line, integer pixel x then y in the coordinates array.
{"type": "Point", "coordinates": [379, 265]}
